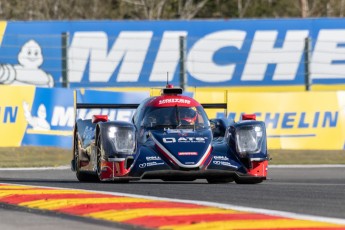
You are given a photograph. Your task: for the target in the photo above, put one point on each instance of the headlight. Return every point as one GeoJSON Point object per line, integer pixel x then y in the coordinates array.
{"type": "Point", "coordinates": [249, 139]}
{"type": "Point", "coordinates": [123, 139]}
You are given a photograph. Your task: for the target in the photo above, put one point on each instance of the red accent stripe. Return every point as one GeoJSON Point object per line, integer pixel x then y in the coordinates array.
{"type": "Point", "coordinates": [155, 221]}
{"type": "Point", "coordinates": [90, 208]}
{"type": "Point", "coordinates": [17, 199]}
{"type": "Point", "coordinates": [207, 155]}
{"type": "Point", "coordinates": [165, 154]}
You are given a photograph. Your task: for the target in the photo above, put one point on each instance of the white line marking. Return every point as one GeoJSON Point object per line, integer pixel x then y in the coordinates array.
{"type": "Point", "coordinates": [217, 205]}
{"type": "Point", "coordinates": [36, 168]}
{"type": "Point", "coordinates": [307, 166]}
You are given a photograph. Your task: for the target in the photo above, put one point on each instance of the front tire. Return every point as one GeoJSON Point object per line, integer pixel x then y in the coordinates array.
{"type": "Point", "coordinates": [81, 175]}
{"type": "Point", "coordinates": [219, 181]}
{"type": "Point", "coordinates": [251, 181]}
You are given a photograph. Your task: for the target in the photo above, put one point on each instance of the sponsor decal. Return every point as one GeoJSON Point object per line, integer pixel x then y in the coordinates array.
{"type": "Point", "coordinates": [185, 139]}
{"type": "Point", "coordinates": [187, 153]}
{"type": "Point", "coordinates": [169, 139]}
{"type": "Point", "coordinates": [221, 158]}
{"type": "Point", "coordinates": [224, 163]}
{"type": "Point", "coordinates": [150, 164]}
{"type": "Point", "coordinates": [174, 100]}
{"type": "Point", "coordinates": [153, 158]}
{"type": "Point", "coordinates": [295, 119]}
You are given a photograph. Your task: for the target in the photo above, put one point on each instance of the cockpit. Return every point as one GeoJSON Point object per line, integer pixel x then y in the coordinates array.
{"type": "Point", "coordinates": [176, 117]}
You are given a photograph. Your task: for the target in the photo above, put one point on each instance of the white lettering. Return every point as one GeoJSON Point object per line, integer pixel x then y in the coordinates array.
{"type": "Point", "coordinates": [167, 57]}
{"type": "Point", "coordinates": [327, 53]}
{"type": "Point", "coordinates": [200, 62]}
{"type": "Point", "coordinates": [174, 100]}
{"type": "Point", "coordinates": [62, 116]}
{"type": "Point", "coordinates": [153, 158]}
{"type": "Point", "coordinates": [124, 115]}
{"type": "Point", "coordinates": [222, 158]}
{"type": "Point", "coordinates": [262, 53]}
{"type": "Point", "coordinates": [169, 140]}
{"type": "Point", "coordinates": [130, 49]}
{"type": "Point", "coordinates": [127, 56]}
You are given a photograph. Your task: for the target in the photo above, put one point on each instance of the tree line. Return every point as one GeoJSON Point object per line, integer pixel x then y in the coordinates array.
{"type": "Point", "coordinates": [167, 9]}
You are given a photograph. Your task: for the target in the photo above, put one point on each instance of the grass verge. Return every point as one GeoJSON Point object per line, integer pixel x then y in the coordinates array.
{"type": "Point", "coordinates": [29, 156]}
{"type": "Point", "coordinates": [308, 157]}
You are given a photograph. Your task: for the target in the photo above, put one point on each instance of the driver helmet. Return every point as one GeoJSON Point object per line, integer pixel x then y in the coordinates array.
{"type": "Point", "coordinates": [188, 116]}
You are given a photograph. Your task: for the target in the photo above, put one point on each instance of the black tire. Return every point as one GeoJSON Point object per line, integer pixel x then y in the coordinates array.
{"type": "Point", "coordinates": [99, 155]}
{"type": "Point", "coordinates": [178, 179]}
{"type": "Point", "coordinates": [82, 176]}
{"type": "Point", "coordinates": [249, 181]}
{"type": "Point", "coordinates": [219, 181]}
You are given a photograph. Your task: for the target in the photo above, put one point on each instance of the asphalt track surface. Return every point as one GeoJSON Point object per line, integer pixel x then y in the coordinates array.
{"type": "Point", "coordinates": [316, 191]}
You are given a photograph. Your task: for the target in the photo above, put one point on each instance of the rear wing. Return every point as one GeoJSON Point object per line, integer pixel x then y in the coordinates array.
{"type": "Point", "coordinates": [78, 105]}
{"type": "Point", "coordinates": [105, 106]}
{"type": "Point", "coordinates": [217, 106]}
{"type": "Point", "coordinates": [134, 106]}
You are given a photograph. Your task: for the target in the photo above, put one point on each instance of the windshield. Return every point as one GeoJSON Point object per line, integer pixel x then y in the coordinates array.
{"type": "Point", "coordinates": [176, 117]}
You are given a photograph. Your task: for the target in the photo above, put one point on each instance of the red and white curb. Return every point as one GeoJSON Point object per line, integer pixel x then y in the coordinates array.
{"type": "Point", "coordinates": [158, 213]}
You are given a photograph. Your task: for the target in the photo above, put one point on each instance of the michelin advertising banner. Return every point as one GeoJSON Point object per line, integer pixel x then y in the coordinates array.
{"type": "Point", "coordinates": [226, 53]}
{"type": "Point", "coordinates": [45, 117]}
{"type": "Point", "coordinates": [294, 120]}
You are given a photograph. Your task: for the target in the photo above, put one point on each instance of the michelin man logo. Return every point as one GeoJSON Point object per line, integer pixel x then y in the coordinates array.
{"type": "Point", "coordinates": [27, 72]}
{"type": "Point", "coordinates": [39, 122]}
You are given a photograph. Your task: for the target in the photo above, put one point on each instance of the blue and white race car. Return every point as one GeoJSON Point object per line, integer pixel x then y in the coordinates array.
{"type": "Point", "coordinates": [171, 138]}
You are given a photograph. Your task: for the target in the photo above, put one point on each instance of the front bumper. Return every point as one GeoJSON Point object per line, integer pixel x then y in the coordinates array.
{"type": "Point", "coordinates": [200, 174]}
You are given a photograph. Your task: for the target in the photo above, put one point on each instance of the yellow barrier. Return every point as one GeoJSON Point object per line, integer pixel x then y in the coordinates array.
{"type": "Point", "coordinates": [12, 120]}
{"type": "Point", "coordinates": [294, 120]}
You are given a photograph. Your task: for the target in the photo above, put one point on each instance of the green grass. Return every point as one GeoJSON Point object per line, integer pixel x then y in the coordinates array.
{"type": "Point", "coordinates": [29, 156]}
{"type": "Point", "coordinates": [52, 157]}
{"type": "Point", "coordinates": [307, 156]}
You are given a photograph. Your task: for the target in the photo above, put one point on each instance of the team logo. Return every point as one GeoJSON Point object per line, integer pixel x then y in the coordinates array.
{"type": "Point", "coordinates": [184, 139]}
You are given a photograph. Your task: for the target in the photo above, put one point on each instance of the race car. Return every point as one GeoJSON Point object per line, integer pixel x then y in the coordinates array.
{"type": "Point", "coordinates": [171, 138]}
